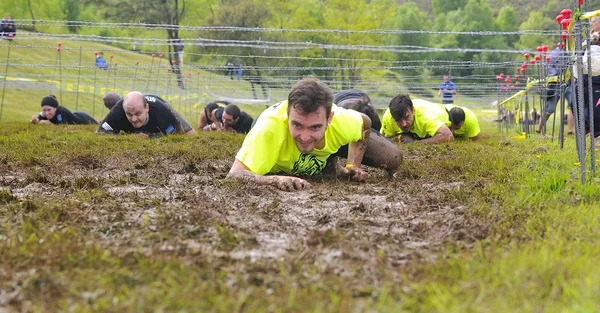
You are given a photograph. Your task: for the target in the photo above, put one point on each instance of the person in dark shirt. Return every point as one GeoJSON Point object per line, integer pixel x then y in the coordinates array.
{"type": "Point", "coordinates": [233, 119]}
{"type": "Point", "coordinates": [146, 116]}
{"type": "Point", "coordinates": [206, 117]}
{"type": "Point", "coordinates": [110, 99]}
{"type": "Point", "coordinates": [52, 113]}
{"type": "Point", "coordinates": [7, 28]}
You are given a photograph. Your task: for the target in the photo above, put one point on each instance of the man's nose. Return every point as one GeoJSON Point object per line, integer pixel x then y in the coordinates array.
{"type": "Point", "coordinates": [304, 136]}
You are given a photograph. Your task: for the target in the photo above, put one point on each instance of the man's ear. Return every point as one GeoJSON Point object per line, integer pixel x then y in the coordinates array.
{"type": "Point", "coordinates": [330, 117]}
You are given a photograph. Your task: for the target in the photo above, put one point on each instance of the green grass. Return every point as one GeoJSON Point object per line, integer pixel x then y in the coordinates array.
{"type": "Point", "coordinates": [101, 223]}
{"type": "Point", "coordinates": [528, 242]}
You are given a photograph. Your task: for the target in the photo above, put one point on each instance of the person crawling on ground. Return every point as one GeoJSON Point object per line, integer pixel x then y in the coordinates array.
{"type": "Point", "coordinates": [464, 123]}
{"type": "Point", "coordinates": [231, 118]}
{"type": "Point", "coordinates": [406, 120]}
{"type": "Point", "coordinates": [53, 113]}
{"type": "Point", "coordinates": [207, 117]}
{"type": "Point", "coordinates": [295, 138]}
{"type": "Point", "coordinates": [357, 100]}
{"type": "Point", "coordinates": [146, 116]}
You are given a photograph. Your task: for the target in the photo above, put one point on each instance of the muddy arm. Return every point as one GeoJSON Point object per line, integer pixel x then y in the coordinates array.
{"type": "Point", "coordinates": [289, 183]}
{"type": "Point", "coordinates": [356, 151]}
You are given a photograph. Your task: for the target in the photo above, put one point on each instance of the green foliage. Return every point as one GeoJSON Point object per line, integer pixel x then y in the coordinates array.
{"type": "Point", "coordinates": [536, 21]}
{"type": "Point", "coordinates": [443, 7]}
{"type": "Point", "coordinates": [71, 10]}
{"type": "Point", "coordinates": [409, 17]}
{"type": "Point", "coordinates": [507, 22]}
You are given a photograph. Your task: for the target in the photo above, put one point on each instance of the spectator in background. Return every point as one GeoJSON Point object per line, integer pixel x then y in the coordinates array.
{"type": "Point", "coordinates": [100, 61]}
{"type": "Point", "coordinates": [557, 65]}
{"type": "Point", "coordinates": [7, 27]}
{"type": "Point", "coordinates": [229, 68]}
{"type": "Point", "coordinates": [447, 90]}
{"type": "Point", "coordinates": [178, 47]}
{"type": "Point", "coordinates": [239, 72]}
{"type": "Point", "coordinates": [52, 113]}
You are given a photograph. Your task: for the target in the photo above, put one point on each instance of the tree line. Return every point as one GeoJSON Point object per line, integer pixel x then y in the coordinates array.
{"type": "Point", "coordinates": [319, 53]}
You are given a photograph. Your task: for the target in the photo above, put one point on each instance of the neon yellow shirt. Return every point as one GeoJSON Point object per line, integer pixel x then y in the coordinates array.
{"type": "Point", "coordinates": [470, 127]}
{"type": "Point", "coordinates": [429, 117]}
{"type": "Point", "coordinates": [270, 148]}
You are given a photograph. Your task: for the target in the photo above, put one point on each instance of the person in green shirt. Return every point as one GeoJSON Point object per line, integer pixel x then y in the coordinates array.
{"type": "Point", "coordinates": [298, 136]}
{"type": "Point", "coordinates": [464, 122]}
{"type": "Point", "coordinates": [426, 122]}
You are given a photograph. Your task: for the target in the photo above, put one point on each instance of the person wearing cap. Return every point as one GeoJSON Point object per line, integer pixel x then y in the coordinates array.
{"type": "Point", "coordinates": [408, 120]}
{"type": "Point", "coordinates": [53, 113]}
{"type": "Point", "coordinates": [295, 139]}
{"type": "Point", "coordinates": [144, 115]}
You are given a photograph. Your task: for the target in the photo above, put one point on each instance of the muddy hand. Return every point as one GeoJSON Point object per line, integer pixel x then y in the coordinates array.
{"type": "Point", "coordinates": [355, 172]}
{"type": "Point", "coordinates": [289, 183]}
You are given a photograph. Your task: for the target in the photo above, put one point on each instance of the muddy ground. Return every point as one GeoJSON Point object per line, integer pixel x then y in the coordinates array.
{"type": "Point", "coordinates": [166, 207]}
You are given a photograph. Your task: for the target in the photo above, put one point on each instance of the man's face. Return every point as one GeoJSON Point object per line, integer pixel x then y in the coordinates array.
{"type": "Point", "coordinates": [407, 121]}
{"type": "Point", "coordinates": [49, 111]}
{"type": "Point", "coordinates": [595, 25]}
{"type": "Point", "coordinates": [228, 120]}
{"type": "Point", "coordinates": [446, 79]}
{"type": "Point", "coordinates": [308, 130]}
{"type": "Point", "coordinates": [136, 112]}
{"type": "Point", "coordinates": [455, 127]}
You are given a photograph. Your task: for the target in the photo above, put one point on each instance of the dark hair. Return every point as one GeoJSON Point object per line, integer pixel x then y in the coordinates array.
{"type": "Point", "coordinates": [110, 99]}
{"type": "Point", "coordinates": [308, 94]}
{"type": "Point", "coordinates": [233, 110]}
{"type": "Point", "coordinates": [400, 106]}
{"type": "Point", "coordinates": [363, 105]}
{"type": "Point", "coordinates": [50, 101]}
{"type": "Point", "coordinates": [345, 97]}
{"type": "Point", "coordinates": [215, 105]}
{"type": "Point", "coordinates": [457, 115]}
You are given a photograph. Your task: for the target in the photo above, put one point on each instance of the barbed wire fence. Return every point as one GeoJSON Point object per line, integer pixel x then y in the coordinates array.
{"type": "Point", "coordinates": [208, 73]}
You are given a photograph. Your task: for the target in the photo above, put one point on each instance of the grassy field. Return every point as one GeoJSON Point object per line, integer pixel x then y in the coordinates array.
{"type": "Point", "coordinates": [120, 224]}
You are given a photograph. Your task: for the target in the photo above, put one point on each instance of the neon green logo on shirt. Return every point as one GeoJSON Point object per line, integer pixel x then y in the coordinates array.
{"type": "Point", "coordinates": [308, 165]}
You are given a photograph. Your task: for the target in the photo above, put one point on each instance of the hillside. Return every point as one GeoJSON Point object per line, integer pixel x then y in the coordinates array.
{"type": "Point", "coordinates": [549, 8]}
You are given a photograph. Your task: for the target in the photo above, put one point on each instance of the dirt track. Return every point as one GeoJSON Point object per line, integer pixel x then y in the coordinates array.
{"type": "Point", "coordinates": [168, 208]}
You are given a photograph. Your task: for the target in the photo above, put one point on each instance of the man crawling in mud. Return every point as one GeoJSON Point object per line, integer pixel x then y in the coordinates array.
{"type": "Point", "coordinates": [146, 116]}
{"type": "Point", "coordinates": [298, 136]}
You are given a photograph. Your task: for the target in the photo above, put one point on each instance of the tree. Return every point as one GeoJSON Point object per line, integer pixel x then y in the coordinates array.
{"type": "Point", "coordinates": [536, 22]}
{"type": "Point", "coordinates": [244, 14]}
{"type": "Point", "coordinates": [476, 16]}
{"type": "Point", "coordinates": [507, 22]}
{"type": "Point", "coordinates": [445, 6]}
{"type": "Point", "coordinates": [71, 11]}
{"type": "Point", "coordinates": [410, 17]}
{"type": "Point", "coordinates": [167, 12]}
